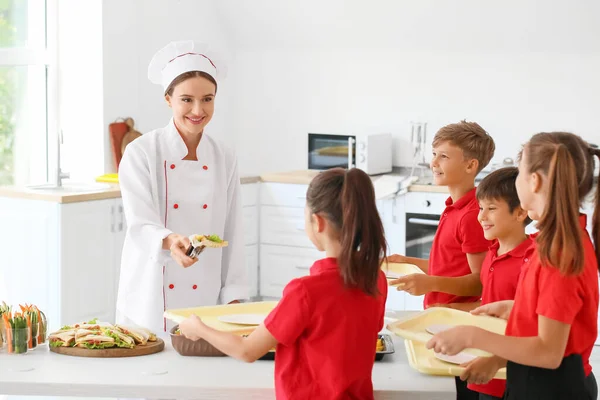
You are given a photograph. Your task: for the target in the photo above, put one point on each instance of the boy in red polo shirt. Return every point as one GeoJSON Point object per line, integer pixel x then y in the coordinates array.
{"type": "Point", "coordinates": [325, 327]}
{"type": "Point", "coordinates": [503, 221]}
{"type": "Point", "coordinates": [553, 321]}
{"type": "Point", "coordinates": [460, 152]}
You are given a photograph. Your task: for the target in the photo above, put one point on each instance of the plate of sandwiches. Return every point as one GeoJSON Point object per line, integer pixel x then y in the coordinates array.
{"type": "Point", "coordinates": [102, 339]}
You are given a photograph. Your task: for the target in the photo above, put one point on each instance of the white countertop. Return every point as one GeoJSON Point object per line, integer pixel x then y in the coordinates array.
{"type": "Point", "coordinates": [169, 375]}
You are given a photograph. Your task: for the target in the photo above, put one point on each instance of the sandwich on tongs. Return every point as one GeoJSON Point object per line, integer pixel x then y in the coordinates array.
{"type": "Point", "coordinates": [199, 242]}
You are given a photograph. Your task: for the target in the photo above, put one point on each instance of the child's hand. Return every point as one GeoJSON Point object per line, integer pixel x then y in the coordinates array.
{"type": "Point", "coordinates": [499, 309]}
{"type": "Point", "coordinates": [415, 284]}
{"type": "Point", "coordinates": [191, 328]}
{"type": "Point", "coordinates": [481, 370]}
{"type": "Point", "coordinates": [452, 341]}
{"type": "Point", "coordinates": [396, 258]}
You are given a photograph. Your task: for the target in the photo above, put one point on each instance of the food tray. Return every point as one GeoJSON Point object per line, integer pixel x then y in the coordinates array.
{"type": "Point", "coordinates": [388, 348]}
{"type": "Point", "coordinates": [209, 315]}
{"type": "Point", "coordinates": [413, 327]}
{"type": "Point", "coordinates": [401, 269]}
{"type": "Point", "coordinates": [424, 361]}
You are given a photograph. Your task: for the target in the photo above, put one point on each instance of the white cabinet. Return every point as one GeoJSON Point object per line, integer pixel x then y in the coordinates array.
{"type": "Point", "coordinates": [250, 211]}
{"type": "Point", "coordinates": [62, 257]}
{"type": "Point", "coordinates": [285, 251]}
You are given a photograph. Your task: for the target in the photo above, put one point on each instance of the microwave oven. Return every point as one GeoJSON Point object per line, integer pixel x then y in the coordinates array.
{"type": "Point", "coordinates": [370, 152]}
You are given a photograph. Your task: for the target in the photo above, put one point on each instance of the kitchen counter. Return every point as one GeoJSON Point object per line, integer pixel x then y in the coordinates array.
{"type": "Point", "coordinates": [168, 375]}
{"type": "Point", "coordinates": [304, 177]}
{"type": "Point", "coordinates": [80, 194]}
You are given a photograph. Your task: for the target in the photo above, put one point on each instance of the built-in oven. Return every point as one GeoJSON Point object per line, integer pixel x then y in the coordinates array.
{"type": "Point", "coordinates": [420, 231]}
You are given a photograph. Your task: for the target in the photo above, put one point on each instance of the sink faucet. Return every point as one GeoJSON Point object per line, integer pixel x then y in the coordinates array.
{"type": "Point", "coordinates": [60, 175]}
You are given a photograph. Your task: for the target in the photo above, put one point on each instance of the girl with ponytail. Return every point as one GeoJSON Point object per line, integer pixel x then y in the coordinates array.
{"type": "Point", "coordinates": [552, 323]}
{"type": "Point", "coordinates": [326, 324]}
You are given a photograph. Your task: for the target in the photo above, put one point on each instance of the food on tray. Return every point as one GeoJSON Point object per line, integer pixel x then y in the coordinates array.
{"type": "Point", "coordinates": [62, 339]}
{"type": "Point", "coordinates": [380, 346]}
{"type": "Point", "coordinates": [140, 336]}
{"type": "Point", "coordinates": [100, 335]}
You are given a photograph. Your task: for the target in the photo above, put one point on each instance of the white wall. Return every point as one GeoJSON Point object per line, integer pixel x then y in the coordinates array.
{"type": "Point", "coordinates": [342, 66]}
{"type": "Point", "coordinates": [281, 96]}
{"type": "Point", "coordinates": [133, 30]}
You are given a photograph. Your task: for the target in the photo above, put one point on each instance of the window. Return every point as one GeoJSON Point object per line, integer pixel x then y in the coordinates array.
{"type": "Point", "coordinates": [27, 87]}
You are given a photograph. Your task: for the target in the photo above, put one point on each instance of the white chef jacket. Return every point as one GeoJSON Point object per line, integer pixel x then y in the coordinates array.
{"type": "Point", "coordinates": [163, 194]}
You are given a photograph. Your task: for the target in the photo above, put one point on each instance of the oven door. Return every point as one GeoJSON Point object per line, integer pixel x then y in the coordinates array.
{"type": "Point", "coordinates": [331, 151]}
{"type": "Point", "coordinates": [420, 231]}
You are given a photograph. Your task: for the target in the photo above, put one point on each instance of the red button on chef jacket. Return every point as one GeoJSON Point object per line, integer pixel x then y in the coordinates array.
{"type": "Point", "coordinates": [569, 299]}
{"type": "Point", "coordinates": [458, 233]}
{"type": "Point", "coordinates": [326, 336]}
{"type": "Point", "coordinates": [499, 278]}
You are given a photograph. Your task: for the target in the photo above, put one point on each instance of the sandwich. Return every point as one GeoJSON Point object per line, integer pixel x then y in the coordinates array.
{"type": "Point", "coordinates": [208, 241]}
{"type": "Point", "coordinates": [93, 340]}
{"type": "Point", "coordinates": [199, 242]}
{"type": "Point", "coordinates": [151, 335]}
{"type": "Point", "coordinates": [121, 340]}
{"type": "Point", "coordinates": [138, 335]}
{"type": "Point", "coordinates": [62, 339]}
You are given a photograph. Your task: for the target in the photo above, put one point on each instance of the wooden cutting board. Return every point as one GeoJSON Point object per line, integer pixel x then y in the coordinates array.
{"type": "Point", "coordinates": [138, 350]}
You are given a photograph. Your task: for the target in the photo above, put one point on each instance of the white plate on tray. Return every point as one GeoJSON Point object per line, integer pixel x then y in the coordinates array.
{"type": "Point", "coordinates": [458, 359]}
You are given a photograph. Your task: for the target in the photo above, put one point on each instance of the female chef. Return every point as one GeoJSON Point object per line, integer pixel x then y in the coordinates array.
{"type": "Point", "coordinates": [177, 181]}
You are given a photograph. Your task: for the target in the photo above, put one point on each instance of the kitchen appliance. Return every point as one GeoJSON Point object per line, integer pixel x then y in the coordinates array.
{"type": "Point", "coordinates": [370, 152]}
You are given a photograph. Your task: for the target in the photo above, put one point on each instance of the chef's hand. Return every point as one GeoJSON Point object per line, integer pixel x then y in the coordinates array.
{"type": "Point", "coordinates": [415, 284]}
{"type": "Point", "coordinates": [452, 341]}
{"type": "Point", "coordinates": [481, 370]}
{"type": "Point", "coordinates": [191, 327]}
{"type": "Point", "coordinates": [499, 309]}
{"type": "Point", "coordinates": [178, 245]}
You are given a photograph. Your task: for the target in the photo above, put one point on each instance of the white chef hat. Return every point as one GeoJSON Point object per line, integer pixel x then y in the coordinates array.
{"type": "Point", "coordinates": [177, 58]}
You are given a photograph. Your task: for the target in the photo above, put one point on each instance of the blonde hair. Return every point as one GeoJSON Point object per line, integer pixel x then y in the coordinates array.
{"type": "Point", "coordinates": [471, 138]}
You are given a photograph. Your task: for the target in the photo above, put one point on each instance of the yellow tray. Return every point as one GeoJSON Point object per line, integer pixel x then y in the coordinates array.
{"type": "Point", "coordinates": [413, 327]}
{"type": "Point", "coordinates": [424, 361]}
{"type": "Point", "coordinates": [108, 178]}
{"type": "Point", "coordinates": [400, 268]}
{"type": "Point", "coordinates": [209, 315]}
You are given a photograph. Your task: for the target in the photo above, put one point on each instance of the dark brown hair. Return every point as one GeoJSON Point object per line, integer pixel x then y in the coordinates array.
{"type": "Point", "coordinates": [188, 75]}
{"type": "Point", "coordinates": [568, 163]}
{"type": "Point", "coordinates": [471, 138]}
{"type": "Point", "coordinates": [347, 200]}
{"type": "Point", "coordinates": [500, 185]}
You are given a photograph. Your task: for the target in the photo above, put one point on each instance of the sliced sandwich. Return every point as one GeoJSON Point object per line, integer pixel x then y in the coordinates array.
{"type": "Point", "coordinates": [121, 340]}
{"type": "Point", "coordinates": [79, 333]}
{"type": "Point", "coordinates": [62, 339]}
{"type": "Point", "coordinates": [140, 336]}
{"type": "Point", "coordinates": [100, 341]}
{"type": "Point", "coordinates": [151, 335]}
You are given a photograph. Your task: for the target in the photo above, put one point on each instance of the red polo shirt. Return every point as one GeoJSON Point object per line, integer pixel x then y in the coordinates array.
{"type": "Point", "coordinates": [326, 336]}
{"type": "Point", "coordinates": [499, 278]}
{"type": "Point", "coordinates": [458, 233]}
{"type": "Point", "coordinates": [572, 300]}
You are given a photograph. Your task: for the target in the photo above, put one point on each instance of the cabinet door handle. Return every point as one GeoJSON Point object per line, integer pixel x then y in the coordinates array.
{"type": "Point", "coordinates": [112, 219]}
{"type": "Point", "coordinates": [121, 218]}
